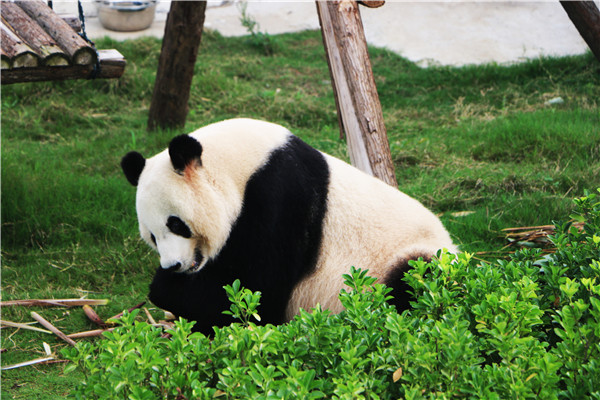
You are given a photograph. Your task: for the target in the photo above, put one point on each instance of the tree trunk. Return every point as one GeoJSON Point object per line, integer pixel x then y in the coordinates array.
{"type": "Point", "coordinates": [183, 31]}
{"type": "Point", "coordinates": [359, 109]}
{"type": "Point", "coordinates": [586, 18]}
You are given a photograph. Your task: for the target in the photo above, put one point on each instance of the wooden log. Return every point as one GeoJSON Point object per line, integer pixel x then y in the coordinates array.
{"type": "Point", "coordinates": [372, 3]}
{"type": "Point", "coordinates": [112, 65]}
{"type": "Point", "coordinates": [586, 18]}
{"type": "Point", "coordinates": [74, 45]}
{"type": "Point", "coordinates": [33, 34]}
{"type": "Point", "coordinates": [183, 32]}
{"type": "Point", "coordinates": [19, 53]}
{"type": "Point", "coordinates": [6, 61]}
{"type": "Point", "coordinates": [73, 21]}
{"type": "Point", "coordinates": [357, 100]}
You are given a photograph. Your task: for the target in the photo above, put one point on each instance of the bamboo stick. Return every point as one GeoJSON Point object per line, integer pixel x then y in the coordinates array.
{"type": "Point", "coordinates": [91, 314]}
{"type": "Point", "coordinates": [52, 328]}
{"type": "Point", "coordinates": [149, 316]}
{"type": "Point", "coordinates": [23, 326]}
{"type": "Point", "coordinates": [119, 315]}
{"type": "Point", "coordinates": [54, 302]}
{"type": "Point", "coordinates": [86, 334]}
{"type": "Point", "coordinates": [27, 363]}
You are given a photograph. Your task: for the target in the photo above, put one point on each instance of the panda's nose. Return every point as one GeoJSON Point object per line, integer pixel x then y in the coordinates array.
{"type": "Point", "coordinates": [173, 267]}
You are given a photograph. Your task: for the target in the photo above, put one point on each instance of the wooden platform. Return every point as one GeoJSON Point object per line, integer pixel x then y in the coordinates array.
{"type": "Point", "coordinates": [38, 45]}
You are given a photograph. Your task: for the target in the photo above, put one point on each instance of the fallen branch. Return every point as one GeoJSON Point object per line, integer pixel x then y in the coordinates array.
{"type": "Point", "coordinates": [23, 326]}
{"type": "Point", "coordinates": [54, 302]}
{"type": "Point", "coordinates": [52, 328]}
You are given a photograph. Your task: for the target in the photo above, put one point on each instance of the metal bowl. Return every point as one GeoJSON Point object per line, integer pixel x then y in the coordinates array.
{"type": "Point", "coordinates": [126, 15]}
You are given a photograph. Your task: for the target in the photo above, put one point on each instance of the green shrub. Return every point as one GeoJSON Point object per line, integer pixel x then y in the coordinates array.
{"type": "Point", "coordinates": [528, 327]}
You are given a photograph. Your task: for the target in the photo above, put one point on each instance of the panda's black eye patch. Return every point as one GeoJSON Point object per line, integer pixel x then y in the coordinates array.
{"type": "Point", "coordinates": [153, 239]}
{"type": "Point", "coordinates": [178, 227]}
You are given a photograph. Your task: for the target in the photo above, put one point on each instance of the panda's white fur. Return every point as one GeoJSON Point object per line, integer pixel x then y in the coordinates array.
{"type": "Point", "coordinates": [362, 222]}
{"type": "Point", "coordinates": [369, 225]}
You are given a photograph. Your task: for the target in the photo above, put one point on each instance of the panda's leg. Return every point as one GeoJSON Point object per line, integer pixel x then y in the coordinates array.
{"type": "Point", "coordinates": [400, 289]}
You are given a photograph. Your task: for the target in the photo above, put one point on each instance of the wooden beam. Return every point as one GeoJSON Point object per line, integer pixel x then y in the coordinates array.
{"type": "Point", "coordinates": [183, 32]}
{"type": "Point", "coordinates": [112, 65]}
{"type": "Point", "coordinates": [586, 18]}
{"type": "Point", "coordinates": [356, 96]}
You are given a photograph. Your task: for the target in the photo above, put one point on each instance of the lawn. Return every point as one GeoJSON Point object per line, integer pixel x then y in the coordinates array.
{"type": "Point", "coordinates": [479, 145]}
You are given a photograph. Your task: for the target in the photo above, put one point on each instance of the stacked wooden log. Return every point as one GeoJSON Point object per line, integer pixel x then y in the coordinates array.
{"type": "Point", "coordinates": [37, 45]}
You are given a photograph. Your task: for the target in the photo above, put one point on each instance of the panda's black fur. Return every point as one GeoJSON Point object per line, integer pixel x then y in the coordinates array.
{"type": "Point", "coordinates": [271, 247]}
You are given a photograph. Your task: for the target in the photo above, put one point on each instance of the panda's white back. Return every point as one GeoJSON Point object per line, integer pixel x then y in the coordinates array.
{"type": "Point", "coordinates": [368, 225]}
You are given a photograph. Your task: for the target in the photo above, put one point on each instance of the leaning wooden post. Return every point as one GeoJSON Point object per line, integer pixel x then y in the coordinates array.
{"type": "Point", "coordinates": [359, 109]}
{"type": "Point", "coordinates": [586, 18]}
{"type": "Point", "coordinates": [183, 31]}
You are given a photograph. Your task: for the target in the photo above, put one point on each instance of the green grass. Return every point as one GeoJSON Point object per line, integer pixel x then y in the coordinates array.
{"type": "Point", "coordinates": [477, 139]}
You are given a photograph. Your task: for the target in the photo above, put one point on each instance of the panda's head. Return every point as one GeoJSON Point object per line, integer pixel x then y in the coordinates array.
{"type": "Point", "coordinates": [182, 212]}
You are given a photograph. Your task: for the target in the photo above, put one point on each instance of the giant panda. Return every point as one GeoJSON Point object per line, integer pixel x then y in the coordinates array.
{"type": "Point", "coordinates": [245, 199]}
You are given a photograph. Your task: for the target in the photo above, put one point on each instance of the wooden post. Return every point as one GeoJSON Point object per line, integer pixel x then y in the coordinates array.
{"type": "Point", "coordinates": [586, 18]}
{"type": "Point", "coordinates": [359, 109]}
{"type": "Point", "coordinates": [183, 31]}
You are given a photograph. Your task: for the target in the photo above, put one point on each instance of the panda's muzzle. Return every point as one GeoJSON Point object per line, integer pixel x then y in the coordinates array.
{"type": "Point", "coordinates": [187, 267]}
{"type": "Point", "coordinates": [197, 264]}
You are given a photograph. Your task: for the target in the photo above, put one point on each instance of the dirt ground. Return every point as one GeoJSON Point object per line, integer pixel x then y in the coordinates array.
{"type": "Point", "coordinates": [442, 33]}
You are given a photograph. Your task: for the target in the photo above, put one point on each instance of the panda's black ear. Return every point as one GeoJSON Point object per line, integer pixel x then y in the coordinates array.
{"type": "Point", "coordinates": [184, 150]}
{"type": "Point", "coordinates": [133, 164]}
